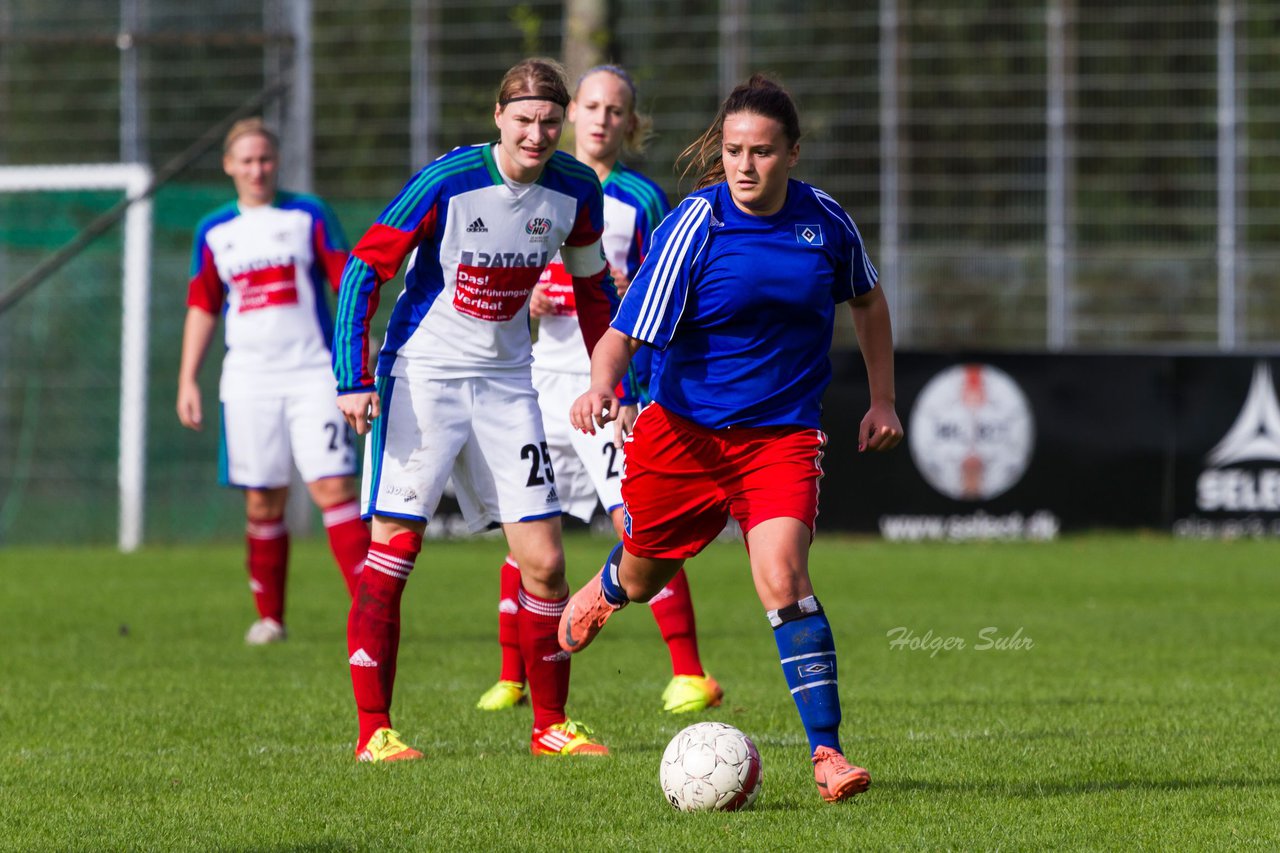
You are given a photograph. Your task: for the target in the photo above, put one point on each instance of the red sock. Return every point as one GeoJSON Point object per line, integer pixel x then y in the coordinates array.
{"type": "Point", "coordinates": [268, 562]}
{"type": "Point", "coordinates": [546, 666]}
{"type": "Point", "coordinates": [348, 540]}
{"type": "Point", "coordinates": [373, 634]}
{"type": "Point", "coordinates": [508, 624]}
{"type": "Point", "coordinates": [673, 610]}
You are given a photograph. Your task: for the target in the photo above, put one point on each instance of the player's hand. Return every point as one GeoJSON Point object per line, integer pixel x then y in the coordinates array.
{"type": "Point", "coordinates": [620, 280]}
{"type": "Point", "coordinates": [540, 305]}
{"type": "Point", "coordinates": [880, 429]}
{"type": "Point", "coordinates": [190, 410]}
{"type": "Point", "coordinates": [622, 426]}
{"type": "Point", "coordinates": [360, 410]}
{"type": "Point", "coordinates": [596, 407]}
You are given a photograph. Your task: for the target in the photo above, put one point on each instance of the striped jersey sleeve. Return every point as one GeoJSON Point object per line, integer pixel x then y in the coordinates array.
{"type": "Point", "coordinates": [656, 298]}
{"type": "Point", "coordinates": [650, 204]}
{"type": "Point", "coordinates": [594, 295]}
{"type": "Point", "coordinates": [855, 275]}
{"type": "Point", "coordinates": [329, 242]}
{"type": "Point", "coordinates": [206, 289]}
{"type": "Point", "coordinates": [408, 220]}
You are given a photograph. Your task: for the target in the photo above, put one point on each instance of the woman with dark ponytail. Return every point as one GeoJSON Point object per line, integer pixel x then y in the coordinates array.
{"type": "Point", "coordinates": [739, 291]}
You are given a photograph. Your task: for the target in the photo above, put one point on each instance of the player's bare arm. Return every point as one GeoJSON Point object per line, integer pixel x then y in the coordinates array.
{"type": "Point", "coordinates": [880, 429]}
{"type": "Point", "coordinates": [197, 332]}
{"type": "Point", "coordinates": [360, 410]}
{"type": "Point", "coordinates": [609, 363]}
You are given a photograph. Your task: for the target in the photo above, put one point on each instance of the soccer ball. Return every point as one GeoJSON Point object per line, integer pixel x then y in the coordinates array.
{"type": "Point", "coordinates": [710, 767]}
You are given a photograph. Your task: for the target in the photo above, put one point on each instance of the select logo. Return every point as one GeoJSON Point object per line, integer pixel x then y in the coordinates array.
{"type": "Point", "coordinates": [1242, 472]}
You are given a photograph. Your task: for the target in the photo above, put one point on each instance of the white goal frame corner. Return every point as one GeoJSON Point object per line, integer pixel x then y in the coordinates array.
{"type": "Point", "coordinates": [133, 180]}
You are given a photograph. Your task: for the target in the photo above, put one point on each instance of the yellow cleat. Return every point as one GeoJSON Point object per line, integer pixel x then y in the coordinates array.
{"type": "Point", "coordinates": [501, 696]}
{"type": "Point", "coordinates": [567, 738]}
{"type": "Point", "coordinates": [686, 693]}
{"type": "Point", "coordinates": [385, 745]}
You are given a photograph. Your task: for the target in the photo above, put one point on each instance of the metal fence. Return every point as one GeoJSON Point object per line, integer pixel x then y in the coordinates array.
{"type": "Point", "coordinates": [1029, 174]}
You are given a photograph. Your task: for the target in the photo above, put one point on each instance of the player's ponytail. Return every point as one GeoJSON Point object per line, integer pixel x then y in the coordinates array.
{"type": "Point", "coordinates": [761, 95]}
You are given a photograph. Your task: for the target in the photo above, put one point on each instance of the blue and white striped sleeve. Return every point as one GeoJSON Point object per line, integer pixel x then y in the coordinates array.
{"type": "Point", "coordinates": [656, 298]}
{"type": "Point", "coordinates": [855, 274]}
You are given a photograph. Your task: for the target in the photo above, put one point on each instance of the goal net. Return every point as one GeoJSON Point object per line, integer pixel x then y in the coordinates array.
{"type": "Point", "coordinates": [73, 357]}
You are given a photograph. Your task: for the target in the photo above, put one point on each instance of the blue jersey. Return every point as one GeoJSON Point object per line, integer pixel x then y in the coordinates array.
{"type": "Point", "coordinates": [743, 307]}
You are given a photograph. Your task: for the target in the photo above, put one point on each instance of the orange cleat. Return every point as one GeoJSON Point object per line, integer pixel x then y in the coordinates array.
{"type": "Point", "coordinates": [584, 616]}
{"type": "Point", "coordinates": [837, 779]}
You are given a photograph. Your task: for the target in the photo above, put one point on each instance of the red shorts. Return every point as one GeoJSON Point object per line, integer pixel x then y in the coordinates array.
{"type": "Point", "coordinates": [681, 481]}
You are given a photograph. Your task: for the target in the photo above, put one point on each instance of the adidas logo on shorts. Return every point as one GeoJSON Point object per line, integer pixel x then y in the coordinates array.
{"type": "Point", "coordinates": [477, 226]}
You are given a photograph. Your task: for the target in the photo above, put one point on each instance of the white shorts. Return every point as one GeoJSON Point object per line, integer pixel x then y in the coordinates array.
{"type": "Point", "coordinates": [586, 466]}
{"type": "Point", "coordinates": [264, 436]}
{"type": "Point", "coordinates": [485, 432]}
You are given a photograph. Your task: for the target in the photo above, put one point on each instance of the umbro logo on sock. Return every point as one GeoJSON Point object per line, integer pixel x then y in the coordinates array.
{"type": "Point", "coordinates": [477, 226]}
{"type": "Point", "coordinates": [361, 658]}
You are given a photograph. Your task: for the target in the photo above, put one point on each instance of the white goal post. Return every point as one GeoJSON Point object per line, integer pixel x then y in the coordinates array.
{"type": "Point", "coordinates": [133, 180]}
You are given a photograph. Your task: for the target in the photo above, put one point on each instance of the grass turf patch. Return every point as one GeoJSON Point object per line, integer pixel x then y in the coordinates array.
{"type": "Point", "coordinates": [1095, 692]}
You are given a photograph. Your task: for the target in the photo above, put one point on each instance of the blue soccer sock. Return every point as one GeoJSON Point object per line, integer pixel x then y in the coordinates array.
{"type": "Point", "coordinates": [808, 655]}
{"type": "Point", "coordinates": [609, 585]}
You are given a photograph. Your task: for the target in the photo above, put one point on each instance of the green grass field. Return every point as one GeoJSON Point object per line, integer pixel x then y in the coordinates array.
{"type": "Point", "coordinates": [1143, 714]}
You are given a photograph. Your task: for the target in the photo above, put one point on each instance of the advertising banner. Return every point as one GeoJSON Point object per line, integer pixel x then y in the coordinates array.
{"type": "Point", "coordinates": [1004, 445]}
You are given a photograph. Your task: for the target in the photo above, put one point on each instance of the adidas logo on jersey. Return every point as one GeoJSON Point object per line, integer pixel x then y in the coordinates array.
{"type": "Point", "coordinates": [477, 226]}
{"type": "Point", "coordinates": [361, 658]}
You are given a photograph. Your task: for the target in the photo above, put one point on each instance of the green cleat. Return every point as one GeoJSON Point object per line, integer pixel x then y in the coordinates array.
{"type": "Point", "coordinates": [501, 696]}
{"type": "Point", "coordinates": [687, 693]}
{"type": "Point", "coordinates": [385, 745]}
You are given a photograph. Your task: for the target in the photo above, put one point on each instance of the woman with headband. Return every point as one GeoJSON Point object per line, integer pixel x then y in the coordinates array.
{"type": "Point", "coordinates": [589, 467]}
{"type": "Point", "coordinates": [453, 396]}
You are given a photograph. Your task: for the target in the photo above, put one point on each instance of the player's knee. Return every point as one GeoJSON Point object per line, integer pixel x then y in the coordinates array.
{"type": "Point", "coordinates": [544, 568]}
{"type": "Point", "coordinates": [261, 505]}
{"type": "Point", "coordinates": [331, 491]}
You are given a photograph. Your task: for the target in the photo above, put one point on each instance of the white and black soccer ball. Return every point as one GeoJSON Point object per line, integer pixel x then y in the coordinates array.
{"type": "Point", "coordinates": [710, 767]}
